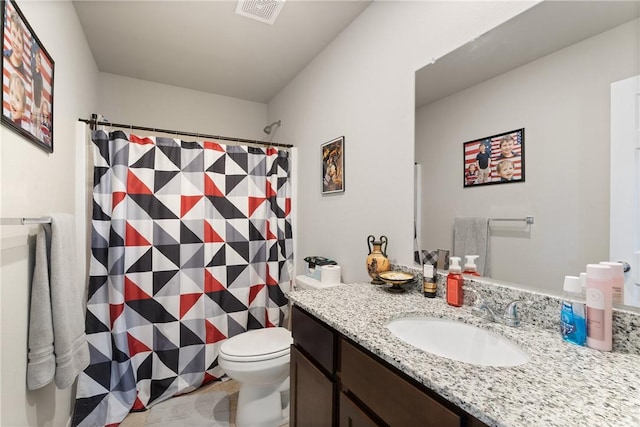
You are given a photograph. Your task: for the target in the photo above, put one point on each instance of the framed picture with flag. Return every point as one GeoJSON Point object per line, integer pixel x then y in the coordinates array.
{"type": "Point", "coordinates": [496, 159]}
{"type": "Point", "coordinates": [27, 79]}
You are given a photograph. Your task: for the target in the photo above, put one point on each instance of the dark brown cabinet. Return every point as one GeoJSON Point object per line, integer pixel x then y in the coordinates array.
{"type": "Point", "coordinates": [311, 394]}
{"type": "Point", "coordinates": [335, 382]}
{"type": "Point", "coordinates": [313, 372]}
{"type": "Point", "coordinates": [394, 400]}
{"type": "Point", "coordinates": [351, 415]}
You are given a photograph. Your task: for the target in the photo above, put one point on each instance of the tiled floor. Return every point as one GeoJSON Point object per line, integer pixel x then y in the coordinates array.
{"type": "Point", "coordinates": [137, 419]}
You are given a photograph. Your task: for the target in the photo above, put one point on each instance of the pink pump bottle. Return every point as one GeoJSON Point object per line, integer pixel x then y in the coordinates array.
{"type": "Point", "coordinates": [454, 283]}
{"type": "Point", "coordinates": [599, 307]}
{"type": "Point", "coordinates": [617, 281]}
{"type": "Point", "coordinates": [470, 267]}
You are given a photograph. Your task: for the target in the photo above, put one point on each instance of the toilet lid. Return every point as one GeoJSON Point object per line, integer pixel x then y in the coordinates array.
{"type": "Point", "coordinates": [257, 344]}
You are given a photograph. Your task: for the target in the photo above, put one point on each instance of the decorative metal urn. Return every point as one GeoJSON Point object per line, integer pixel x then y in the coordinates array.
{"type": "Point", "coordinates": [377, 260]}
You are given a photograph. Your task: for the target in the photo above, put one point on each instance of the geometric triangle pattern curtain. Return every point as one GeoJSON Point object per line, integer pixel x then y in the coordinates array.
{"type": "Point", "coordinates": [191, 243]}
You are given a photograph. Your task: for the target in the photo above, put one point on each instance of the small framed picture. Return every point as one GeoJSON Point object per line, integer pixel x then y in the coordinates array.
{"type": "Point", "coordinates": [27, 79]}
{"type": "Point", "coordinates": [333, 166]}
{"type": "Point", "coordinates": [496, 159]}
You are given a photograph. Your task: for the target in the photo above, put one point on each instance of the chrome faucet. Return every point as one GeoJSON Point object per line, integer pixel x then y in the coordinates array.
{"type": "Point", "coordinates": [510, 316]}
{"type": "Point", "coordinates": [480, 308]}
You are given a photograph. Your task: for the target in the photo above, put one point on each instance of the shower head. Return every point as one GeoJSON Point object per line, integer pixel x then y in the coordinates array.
{"type": "Point", "coordinates": [267, 129]}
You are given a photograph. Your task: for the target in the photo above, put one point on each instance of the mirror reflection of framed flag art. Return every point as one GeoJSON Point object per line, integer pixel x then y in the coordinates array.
{"type": "Point", "coordinates": [496, 159]}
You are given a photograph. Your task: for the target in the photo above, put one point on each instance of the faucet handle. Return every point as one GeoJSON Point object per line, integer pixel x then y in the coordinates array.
{"type": "Point", "coordinates": [480, 307]}
{"type": "Point", "coordinates": [510, 316]}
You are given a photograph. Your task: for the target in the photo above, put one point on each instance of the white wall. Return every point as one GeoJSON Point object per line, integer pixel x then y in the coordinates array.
{"type": "Point", "coordinates": [130, 101]}
{"type": "Point", "coordinates": [562, 101]}
{"type": "Point", "coordinates": [34, 183]}
{"type": "Point", "coordinates": [362, 87]}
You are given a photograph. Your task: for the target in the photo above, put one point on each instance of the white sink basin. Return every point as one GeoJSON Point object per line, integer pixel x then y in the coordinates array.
{"type": "Point", "coordinates": [458, 341]}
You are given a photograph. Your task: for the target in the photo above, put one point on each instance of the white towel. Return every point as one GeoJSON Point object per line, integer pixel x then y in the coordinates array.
{"type": "Point", "coordinates": [471, 237]}
{"type": "Point", "coordinates": [66, 312]}
{"type": "Point", "coordinates": [41, 363]}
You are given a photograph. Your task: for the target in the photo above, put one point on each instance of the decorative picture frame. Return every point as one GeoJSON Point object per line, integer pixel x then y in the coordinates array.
{"type": "Point", "coordinates": [27, 79]}
{"type": "Point", "coordinates": [332, 157]}
{"type": "Point", "coordinates": [495, 159]}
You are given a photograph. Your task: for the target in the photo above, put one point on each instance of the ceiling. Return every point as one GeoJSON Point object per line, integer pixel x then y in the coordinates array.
{"type": "Point", "coordinates": [545, 28]}
{"type": "Point", "coordinates": [206, 46]}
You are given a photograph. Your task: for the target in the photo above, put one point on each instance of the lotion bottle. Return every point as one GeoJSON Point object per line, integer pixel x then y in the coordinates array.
{"type": "Point", "coordinates": [470, 267]}
{"type": "Point", "coordinates": [583, 283]}
{"type": "Point", "coordinates": [454, 283]}
{"type": "Point", "coordinates": [428, 281]}
{"type": "Point", "coordinates": [617, 280]}
{"type": "Point", "coordinates": [599, 307]}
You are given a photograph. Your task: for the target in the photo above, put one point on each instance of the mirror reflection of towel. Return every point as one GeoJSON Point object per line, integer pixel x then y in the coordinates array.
{"type": "Point", "coordinates": [471, 237]}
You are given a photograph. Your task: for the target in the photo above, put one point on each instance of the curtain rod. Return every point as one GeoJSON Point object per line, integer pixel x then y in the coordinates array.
{"type": "Point", "coordinates": [94, 122]}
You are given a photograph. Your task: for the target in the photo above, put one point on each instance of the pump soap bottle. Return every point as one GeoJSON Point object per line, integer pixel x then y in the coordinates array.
{"type": "Point", "coordinates": [454, 283]}
{"type": "Point", "coordinates": [470, 267]}
{"type": "Point", "coordinates": [599, 305]}
{"type": "Point", "coordinates": [573, 325]}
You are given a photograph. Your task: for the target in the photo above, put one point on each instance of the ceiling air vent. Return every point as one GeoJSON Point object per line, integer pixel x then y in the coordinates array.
{"type": "Point", "coordinates": [261, 10]}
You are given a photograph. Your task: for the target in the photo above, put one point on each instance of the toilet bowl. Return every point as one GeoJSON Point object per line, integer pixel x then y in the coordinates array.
{"type": "Point", "coordinates": [259, 361]}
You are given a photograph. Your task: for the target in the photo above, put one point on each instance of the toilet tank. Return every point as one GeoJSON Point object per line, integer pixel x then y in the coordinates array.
{"type": "Point", "coordinates": [306, 282]}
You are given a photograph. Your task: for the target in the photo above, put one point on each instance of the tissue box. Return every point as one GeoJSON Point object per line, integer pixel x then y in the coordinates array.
{"type": "Point", "coordinates": [314, 273]}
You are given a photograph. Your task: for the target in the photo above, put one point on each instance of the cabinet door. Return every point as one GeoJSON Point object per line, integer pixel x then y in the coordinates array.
{"type": "Point", "coordinates": [311, 394]}
{"type": "Point", "coordinates": [352, 416]}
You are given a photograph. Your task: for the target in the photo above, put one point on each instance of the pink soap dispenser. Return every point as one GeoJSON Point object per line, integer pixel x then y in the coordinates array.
{"type": "Point", "coordinates": [599, 307]}
{"type": "Point", "coordinates": [470, 267]}
{"type": "Point", "coordinates": [454, 283]}
{"type": "Point", "coordinates": [617, 280]}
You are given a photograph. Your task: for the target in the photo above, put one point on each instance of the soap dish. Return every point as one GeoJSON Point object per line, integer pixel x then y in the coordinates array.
{"type": "Point", "coordinates": [396, 279]}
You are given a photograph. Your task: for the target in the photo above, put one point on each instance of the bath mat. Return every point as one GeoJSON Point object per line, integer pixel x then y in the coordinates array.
{"type": "Point", "coordinates": [193, 410]}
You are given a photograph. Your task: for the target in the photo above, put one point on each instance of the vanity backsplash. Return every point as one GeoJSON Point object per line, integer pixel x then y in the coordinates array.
{"type": "Point", "coordinates": [544, 310]}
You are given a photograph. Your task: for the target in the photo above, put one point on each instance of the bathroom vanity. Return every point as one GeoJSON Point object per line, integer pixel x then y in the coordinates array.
{"type": "Point", "coordinates": [348, 369]}
{"type": "Point", "coordinates": [334, 381]}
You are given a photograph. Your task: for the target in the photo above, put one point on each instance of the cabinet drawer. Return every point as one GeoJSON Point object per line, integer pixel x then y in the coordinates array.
{"type": "Point", "coordinates": [314, 338]}
{"type": "Point", "coordinates": [396, 401]}
{"type": "Point", "coordinates": [353, 416]}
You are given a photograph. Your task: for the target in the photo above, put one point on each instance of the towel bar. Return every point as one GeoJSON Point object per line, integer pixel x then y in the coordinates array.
{"type": "Point", "coordinates": [25, 221]}
{"type": "Point", "coordinates": [528, 219]}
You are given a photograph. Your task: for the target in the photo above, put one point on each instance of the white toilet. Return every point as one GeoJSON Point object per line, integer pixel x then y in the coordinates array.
{"type": "Point", "coordinates": [259, 360]}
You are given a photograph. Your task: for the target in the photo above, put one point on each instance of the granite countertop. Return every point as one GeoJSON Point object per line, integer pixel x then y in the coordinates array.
{"type": "Point", "coordinates": [562, 385]}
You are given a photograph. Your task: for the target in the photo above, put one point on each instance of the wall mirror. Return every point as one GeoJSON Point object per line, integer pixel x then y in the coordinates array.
{"type": "Point", "coordinates": [548, 70]}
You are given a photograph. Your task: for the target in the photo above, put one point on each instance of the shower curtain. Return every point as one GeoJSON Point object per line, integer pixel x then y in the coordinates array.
{"type": "Point", "coordinates": [190, 245]}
